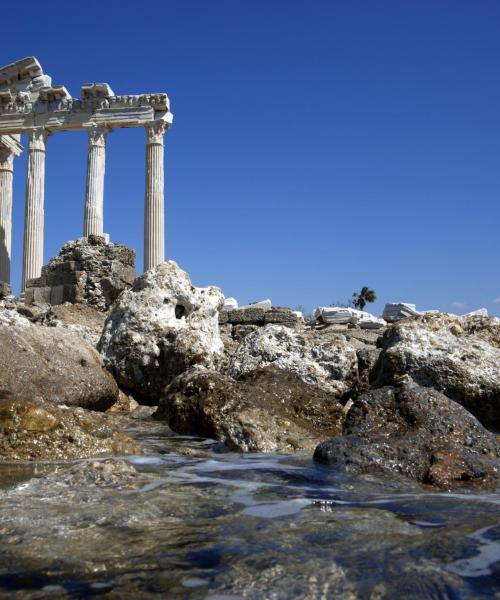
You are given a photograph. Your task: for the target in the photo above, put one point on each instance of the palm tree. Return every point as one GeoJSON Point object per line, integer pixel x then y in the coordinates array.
{"type": "Point", "coordinates": [364, 296]}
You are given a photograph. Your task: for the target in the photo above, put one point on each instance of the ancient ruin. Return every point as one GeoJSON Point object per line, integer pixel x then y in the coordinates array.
{"type": "Point", "coordinates": [30, 104]}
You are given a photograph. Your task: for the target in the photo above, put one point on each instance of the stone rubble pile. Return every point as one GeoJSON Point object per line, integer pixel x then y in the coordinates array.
{"type": "Point", "coordinates": [258, 313]}
{"type": "Point", "coordinates": [86, 271]}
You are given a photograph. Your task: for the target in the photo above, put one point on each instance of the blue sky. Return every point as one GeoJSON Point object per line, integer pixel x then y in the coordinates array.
{"type": "Point", "coordinates": [317, 147]}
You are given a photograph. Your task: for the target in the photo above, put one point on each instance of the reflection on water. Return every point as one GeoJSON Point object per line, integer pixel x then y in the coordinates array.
{"type": "Point", "coordinates": [190, 521]}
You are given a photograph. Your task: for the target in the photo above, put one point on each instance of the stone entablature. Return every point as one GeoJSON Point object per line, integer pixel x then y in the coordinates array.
{"type": "Point", "coordinates": [30, 104]}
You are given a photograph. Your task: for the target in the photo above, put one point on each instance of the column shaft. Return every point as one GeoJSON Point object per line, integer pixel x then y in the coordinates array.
{"type": "Point", "coordinates": [93, 221]}
{"type": "Point", "coordinates": [6, 176]}
{"type": "Point", "coordinates": [154, 216]}
{"type": "Point", "coordinates": [34, 209]}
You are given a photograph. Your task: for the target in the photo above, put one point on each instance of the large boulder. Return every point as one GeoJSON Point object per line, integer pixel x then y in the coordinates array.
{"type": "Point", "coordinates": [86, 271]}
{"type": "Point", "coordinates": [31, 430]}
{"type": "Point", "coordinates": [328, 363]}
{"type": "Point", "coordinates": [418, 433]}
{"type": "Point", "coordinates": [459, 357]}
{"type": "Point", "coordinates": [159, 328]}
{"type": "Point", "coordinates": [267, 410]}
{"type": "Point", "coordinates": [52, 365]}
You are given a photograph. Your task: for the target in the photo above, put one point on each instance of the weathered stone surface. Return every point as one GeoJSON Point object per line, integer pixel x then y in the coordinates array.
{"type": "Point", "coordinates": [159, 328]}
{"type": "Point", "coordinates": [80, 319]}
{"type": "Point", "coordinates": [34, 430]}
{"type": "Point", "coordinates": [459, 357]}
{"type": "Point", "coordinates": [267, 410]}
{"type": "Point", "coordinates": [259, 316]}
{"type": "Point", "coordinates": [247, 315]}
{"type": "Point", "coordinates": [87, 271]}
{"type": "Point", "coordinates": [52, 365]}
{"type": "Point", "coordinates": [417, 433]}
{"type": "Point", "coordinates": [281, 316]}
{"type": "Point", "coordinates": [330, 364]}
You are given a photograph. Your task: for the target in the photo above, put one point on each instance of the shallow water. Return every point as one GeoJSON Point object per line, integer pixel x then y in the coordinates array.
{"type": "Point", "coordinates": [191, 521]}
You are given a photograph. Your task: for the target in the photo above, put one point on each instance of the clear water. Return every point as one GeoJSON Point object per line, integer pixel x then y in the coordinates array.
{"type": "Point", "coordinates": [191, 521]}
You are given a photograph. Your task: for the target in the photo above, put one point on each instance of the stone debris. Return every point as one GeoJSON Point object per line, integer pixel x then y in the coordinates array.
{"type": "Point", "coordinates": [264, 304]}
{"type": "Point", "coordinates": [394, 311]}
{"type": "Point", "coordinates": [480, 312]}
{"type": "Point", "coordinates": [86, 271]}
{"type": "Point", "coordinates": [230, 304]}
{"type": "Point", "coordinates": [338, 315]}
{"type": "Point", "coordinates": [159, 328]}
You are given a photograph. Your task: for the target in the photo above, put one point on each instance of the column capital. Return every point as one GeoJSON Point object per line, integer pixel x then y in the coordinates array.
{"type": "Point", "coordinates": [6, 160]}
{"type": "Point", "coordinates": [38, 138]}
{"type": "Point", "coordinates": [97, 135]}
{"type": "Point", "coordinates": [155, 132]}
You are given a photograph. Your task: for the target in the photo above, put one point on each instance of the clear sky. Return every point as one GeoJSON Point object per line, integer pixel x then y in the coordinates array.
{"type": "Point", "coordinates": [316, 147]}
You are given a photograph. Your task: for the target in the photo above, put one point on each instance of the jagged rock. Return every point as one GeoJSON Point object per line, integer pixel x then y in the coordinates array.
{"type": "Point", "coordinates": [86, 271]}
{"type": "Point", "coordinates": [267, 410]}
{"type": "Point", "coordinates": [417, 433]}
{"type": "Point", "coordinates": [52, 365]}
{"type": "Point", "coordinates": [34, 431]}
{"type": "Point", "coordinates": [159, 328]}
{"type": "Point", "coordinates": [330, 364]}
{"type": "Point", "coordinates": [459, 357]}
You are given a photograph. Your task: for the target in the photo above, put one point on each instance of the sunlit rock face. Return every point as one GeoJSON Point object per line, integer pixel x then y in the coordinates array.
{"type": "Point", "coordinates": [159, 328]}
{"type": "Point", "coordinates": [330, 364]}
{"type": "Point", "coordinates": [52, 365]}
{"type": "Point", "coordinates": [414, 432]}
{"type": "Point", "coordinates": [458, 356]}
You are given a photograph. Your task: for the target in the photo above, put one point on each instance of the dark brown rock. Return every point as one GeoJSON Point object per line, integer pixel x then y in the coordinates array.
{"type": "Point", "coordinates": [267, 410]}
{"type": "Point", "coordinates": [417, 433]}
{"type": "Point", "coordinates": [34, 431]}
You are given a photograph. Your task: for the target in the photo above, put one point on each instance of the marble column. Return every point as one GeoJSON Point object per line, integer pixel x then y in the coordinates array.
{"type": "Point", "coordinates": [94, 193]}
{"type": "Point", "coordinates": [6, 175]}
{"type": "Point", "coordinates": [34, 208]}
{"type": "Point", "coordinates": [154, 214]}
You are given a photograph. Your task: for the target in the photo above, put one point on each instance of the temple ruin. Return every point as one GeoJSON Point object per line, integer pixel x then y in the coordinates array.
{"type": "Point", "coordinates": [30, 104]}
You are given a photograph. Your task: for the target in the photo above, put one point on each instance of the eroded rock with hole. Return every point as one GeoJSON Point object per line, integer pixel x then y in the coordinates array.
{"type": "Point", "coordinates": [159, 328]}
{"type": "Point", "coordinates": [267, 410]}
{"type": "Point", "coordinates": [417, 433]}
{"type": "Point", "coordinates": [458, 356]}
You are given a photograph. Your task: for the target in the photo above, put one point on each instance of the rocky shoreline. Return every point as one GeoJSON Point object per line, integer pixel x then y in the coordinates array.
{"type": "Point", "coordinates": [418, 399]}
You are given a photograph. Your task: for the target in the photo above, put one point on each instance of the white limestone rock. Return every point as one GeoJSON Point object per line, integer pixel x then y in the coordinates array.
{"type": "Point", "coordinates": [458, 356]}
{"type": "Point", "coordinates": [330, 364]}
{"type": "Point", "coordinates": [159, 328]}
